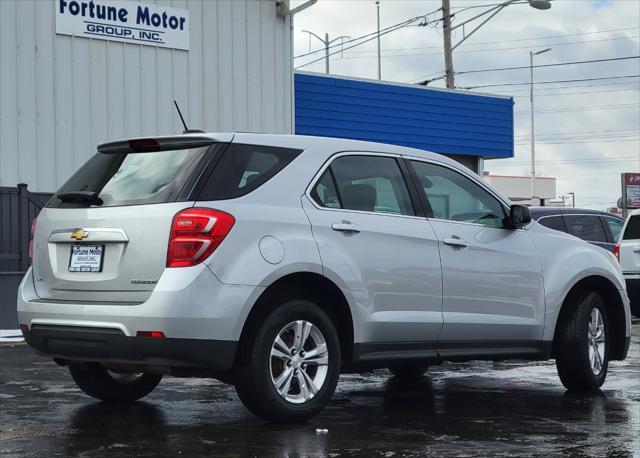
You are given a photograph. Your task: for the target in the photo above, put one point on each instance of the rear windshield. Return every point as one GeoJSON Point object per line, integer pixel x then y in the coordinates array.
{"type": "Point", "coordinates": [133, 178]}
{"type": "Point", "coordinates": [632, 232]}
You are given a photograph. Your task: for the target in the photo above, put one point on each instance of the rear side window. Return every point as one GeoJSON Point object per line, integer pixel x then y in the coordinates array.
{"type": "Point", "coordinates": [364, 183]}
{"type": "Point", "coordinates": [553, 222]}
{"type": "Point", "coordinates": [133, 178]}
{"type": "Point", "coordinates": [615, 226]}
{"type": "Point", "coordinates": [632, 232]}
{"type": "Point", "coordinates": [586, 227]}
{"type": "Point", "coordinates": [244, 168]}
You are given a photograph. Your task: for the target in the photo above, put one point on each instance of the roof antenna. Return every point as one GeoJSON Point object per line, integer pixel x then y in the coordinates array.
{"type": "Point", "coordinates": [186, 129]}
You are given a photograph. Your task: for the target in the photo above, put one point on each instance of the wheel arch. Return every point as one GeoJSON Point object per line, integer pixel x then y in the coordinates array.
{"type": "Point", "coordinates": [614, 306]}
{"type": "Point", "coordinates": [302, 285]}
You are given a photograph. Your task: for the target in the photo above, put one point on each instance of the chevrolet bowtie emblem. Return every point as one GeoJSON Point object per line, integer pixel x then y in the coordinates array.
{"type": "Point", "coordinates": [79, 234]}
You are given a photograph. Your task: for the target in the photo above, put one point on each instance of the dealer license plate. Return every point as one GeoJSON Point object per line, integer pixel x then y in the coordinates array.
{"type": "Point", "coordinates": [86, 258]}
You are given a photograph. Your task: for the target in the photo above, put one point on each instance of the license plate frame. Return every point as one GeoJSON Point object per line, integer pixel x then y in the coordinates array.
{"type": "Point", "coordinates": [88, 266]}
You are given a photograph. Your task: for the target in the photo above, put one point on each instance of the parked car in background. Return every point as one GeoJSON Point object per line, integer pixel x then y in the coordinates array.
{"type": "Point", "coordinates": [599, 228]}
{"type": "Point", "coordinates": [275, 262]}
{"type": "Point", "coordinates": [628, 252]}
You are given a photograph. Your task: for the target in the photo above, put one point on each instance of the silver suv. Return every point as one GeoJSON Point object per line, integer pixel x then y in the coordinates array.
{"type": "Point", "coordinates": [275, 262]}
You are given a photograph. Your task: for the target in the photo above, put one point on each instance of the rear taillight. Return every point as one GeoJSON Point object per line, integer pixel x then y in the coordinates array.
{"type": "Point", "coordinates": [616, 251]}
{"type": "Point", "coordinates": [195, 234]}
{"type": "Point", "coordinates": [33, 232]}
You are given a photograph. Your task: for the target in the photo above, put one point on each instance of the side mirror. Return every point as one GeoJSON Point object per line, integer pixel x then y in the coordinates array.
{"type": "Point", "coordinates": [519, 216]}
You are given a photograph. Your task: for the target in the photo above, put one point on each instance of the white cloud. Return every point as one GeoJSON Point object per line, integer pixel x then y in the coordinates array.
{"type": "Point", "coordinates": [417, 51]}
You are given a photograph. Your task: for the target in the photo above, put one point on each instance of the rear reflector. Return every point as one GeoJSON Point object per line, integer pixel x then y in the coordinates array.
{"type": "Point", "coordinates": [195, 234]}
{"type": "Point", "coordinates": [151, 334]}
{"type": "Point", "coordinates": [33, 232]}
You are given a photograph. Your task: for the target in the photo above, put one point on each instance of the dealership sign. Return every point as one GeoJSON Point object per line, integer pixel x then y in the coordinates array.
{"type": "Point", "coordinates": [631, 189]}
{"type": "Point", "coordinates": [124, 21]}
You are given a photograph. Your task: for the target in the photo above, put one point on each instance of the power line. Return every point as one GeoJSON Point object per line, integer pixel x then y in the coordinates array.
{"type": "Point", "coordinates": [554, 94]}
{"type": "Point", "coordinates": [375, 34]}
{"type": "Point", "coordinates": [570, 161]}
{"type": "Point", "coordinates": [522, 67]}
{"type": "Point", "coordinates": [517, 40]}
{"type": "Point", "coordinates": [553, 82]}
{"type": "Point", "coordinates": [577, 142]}
{"type": "Point", "coordinates": [511, 91]}
{"type": "Point", "coordinates": [582, 108]}
{"type": "Point", "coordinates": [357, 44]}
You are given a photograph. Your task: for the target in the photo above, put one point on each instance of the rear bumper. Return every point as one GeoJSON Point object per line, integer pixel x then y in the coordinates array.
{"type": "Point", "coordinates": [201, 318]}
{"type": "Point", "coordinates": [112, 346]}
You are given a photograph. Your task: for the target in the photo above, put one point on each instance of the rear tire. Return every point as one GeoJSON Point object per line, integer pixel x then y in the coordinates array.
{"type": "Point", "coordinates": [103, 384]}
{"type": "Point", "coordinates": [284, 378]}
{"type": "Point", "coordinates": [409, 371]}
{"type": "Point", "coordinates": [582, 353]}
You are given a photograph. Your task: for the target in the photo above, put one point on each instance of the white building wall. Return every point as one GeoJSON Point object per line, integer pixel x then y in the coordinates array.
{"type": "Point", "coordinates": [61, 95]}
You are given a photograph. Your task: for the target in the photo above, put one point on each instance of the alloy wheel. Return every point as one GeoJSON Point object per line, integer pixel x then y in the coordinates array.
{"type": "Point", "coordinates": [299, 361]}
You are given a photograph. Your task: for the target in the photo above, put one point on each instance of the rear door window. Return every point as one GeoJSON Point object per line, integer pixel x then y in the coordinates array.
{"type": "Point", "coordinates": [554, 222]}
{"type": "Point", "coordinates": [364, 183]}
{"type": "Point", "coordinates": [243, 168]}
{"type": "Point", "coordinates": [586, 227]}
{"type": "Point", "coordinates": [632, 232]}
{"type": "Point", "coordinates": [133, 178]}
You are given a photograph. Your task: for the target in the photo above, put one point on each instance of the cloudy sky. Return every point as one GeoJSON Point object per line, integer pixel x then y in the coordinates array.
{"type": "Point", "coordinates": [587, 132]}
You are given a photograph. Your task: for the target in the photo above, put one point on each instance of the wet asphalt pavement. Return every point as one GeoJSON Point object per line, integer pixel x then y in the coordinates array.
{"type": "Point", "coordinates": [471, 409]}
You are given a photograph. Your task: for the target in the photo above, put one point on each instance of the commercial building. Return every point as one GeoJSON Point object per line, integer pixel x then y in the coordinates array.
{"type": "Point", "coordinates": [518, 188]}
{"type": "Point", "coordinates": [466, 126]}
{"type": "Point", "coordinates": [73, 76]}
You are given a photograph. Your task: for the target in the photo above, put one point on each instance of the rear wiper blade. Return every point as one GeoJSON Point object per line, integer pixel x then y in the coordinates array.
{"type": "Point", "coordinates": [81, 197]}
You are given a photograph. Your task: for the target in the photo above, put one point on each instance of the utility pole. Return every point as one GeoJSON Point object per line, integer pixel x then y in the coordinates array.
{"type": "Point", "coordinates": [448, 50]}
{"type": "Point", "coordinates": [379, 62]}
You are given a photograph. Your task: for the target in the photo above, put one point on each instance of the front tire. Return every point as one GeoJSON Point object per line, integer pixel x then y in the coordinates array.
{"type": "Point", "coordinates": [291, 365]}
{"type": "Point", "coordinates": [582, 354]}
{"type": "Point", "coordinates": [109, 386]}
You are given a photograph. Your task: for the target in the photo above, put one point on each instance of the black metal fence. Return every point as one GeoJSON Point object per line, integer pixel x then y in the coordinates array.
{"type": "Point", "coordinates": [18, 208]}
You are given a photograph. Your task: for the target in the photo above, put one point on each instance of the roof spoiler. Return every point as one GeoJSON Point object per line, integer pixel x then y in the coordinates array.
{"type": "Point", "coordinates": [146, 145]}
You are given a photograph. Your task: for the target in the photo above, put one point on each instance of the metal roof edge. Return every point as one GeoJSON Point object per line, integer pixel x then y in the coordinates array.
{"type": "Point", "coordinates": [394, 83]}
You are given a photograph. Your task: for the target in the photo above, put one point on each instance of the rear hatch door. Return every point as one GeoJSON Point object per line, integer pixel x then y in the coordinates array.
{"type": "Point", "coordinates": [103, 236]}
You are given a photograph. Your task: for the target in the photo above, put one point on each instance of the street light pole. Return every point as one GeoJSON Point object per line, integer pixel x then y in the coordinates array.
{"type": "Point", "coordinates": [327, 44]}
{"type": "Point", "coordinates": [326, 53]}
{"type": "Point", "coordinates": [533, 138]}
{"type": "Point", "coordinates": [379, 58]}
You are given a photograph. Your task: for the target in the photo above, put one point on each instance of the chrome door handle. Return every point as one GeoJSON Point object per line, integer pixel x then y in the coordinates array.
{"type": "Point", "coordinates": [455, 242]}
{"type": "Point", "coordinates": [346, 227]}
{"type": "Point", "coordinates": [636, 250]}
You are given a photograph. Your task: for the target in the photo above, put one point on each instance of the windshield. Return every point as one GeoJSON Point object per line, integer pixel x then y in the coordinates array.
{"type": "Point", "coordinates": [133, 178]}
